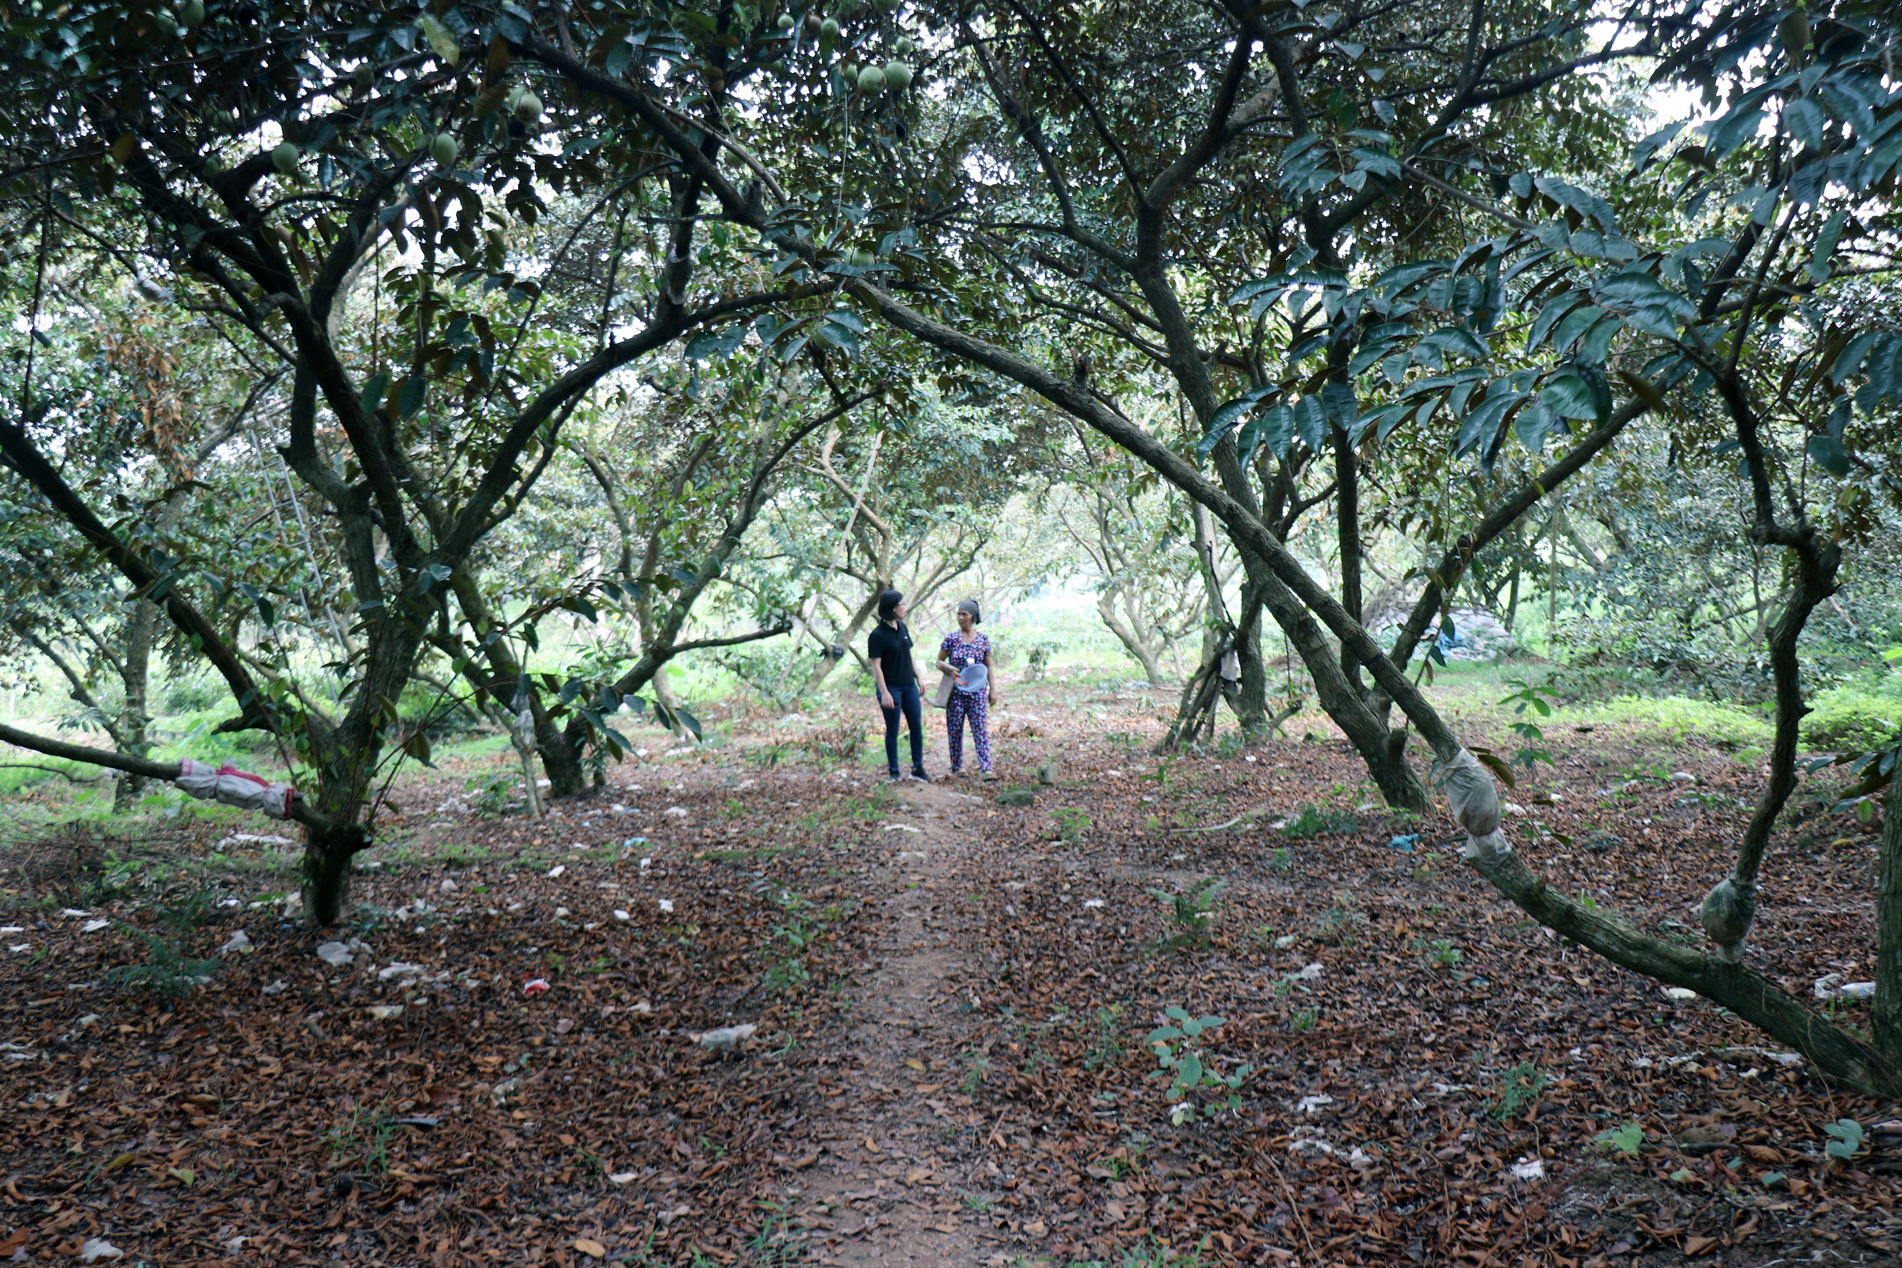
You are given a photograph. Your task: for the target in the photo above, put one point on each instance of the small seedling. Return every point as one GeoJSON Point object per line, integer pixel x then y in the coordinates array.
{"type": "Point", "coordinates": [1193, 912]}
{"type": "Point", "coordinates": [1518, 1088]}
{"type": "Point", "coordinates": [1627, 1140]}
{"type": "Point", "coordinates": [1189, 1070]}
{"type": "Point", "coordinates": [1846, 1138]}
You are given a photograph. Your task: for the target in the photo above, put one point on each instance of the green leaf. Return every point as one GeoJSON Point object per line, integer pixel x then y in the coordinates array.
{"type": "Point", "coordinates": [1628, 1140]}
{"type": "Point", "coordinates": [410, 398]}
{"type": "Point", "coordinates": [1310, 422]}
{"type": "Point", "coordinates": [1733, 130]}
{"type": "Point", "coordinates": [373, 389]}
{"type": "Point", "coordinates": [1226, 416]}
{"type": "Point", "coordinates": [1277, 430]}
{"type": "Point", "coordinates": [709, 345]}
{"type": "Point", "coordinates": [1550, 315]}
{"type": "Point", "coordinates": [440, 38]}
{"type": "Point", "coordinates": [1847, 1138]}
{"type": "Point", "coordinates": [1568, 395]}
{"type": "Point", "coordinates": [1482, 424]}
{"type": "Point", "coordinates": [1805, 121]}
{"type": "Point", "coordinates": [1828, 453]}
{"type": "Point", "coordinates": [1337, 399]}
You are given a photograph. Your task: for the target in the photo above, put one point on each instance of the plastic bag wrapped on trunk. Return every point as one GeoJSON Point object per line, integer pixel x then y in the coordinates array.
{"type": "Point", "coordinates": [234, 787]}
{"type": "Point", "coordinates": [1726, 915]}
{"type": "Point", "coordinates": [1471, 797]}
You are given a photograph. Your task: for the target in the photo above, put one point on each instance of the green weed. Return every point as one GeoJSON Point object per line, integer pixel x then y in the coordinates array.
{"type": "Point", "coordinates": [1518, 1087]}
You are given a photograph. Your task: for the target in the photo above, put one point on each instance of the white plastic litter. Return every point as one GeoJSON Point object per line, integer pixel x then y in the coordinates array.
{"type": "Point", "coordinates": [1092, 902]}
{"type": "Point", "coordinates": [277, 988]}
{"type": "Point", "coordinates": [675, 812]}
{"type": "Point", "coordinates": [335, 953]}
{"type": "Point", "coordinates": [94, 1249]}
{"type": "Point", "coordinates": [386, 1012]}
{"type": "Point", "coordinates": [239, 943]}
{"type": "Point", "coordinates": [727, 1037]}
{"type": "Point", "coordinates": [94, 926]}
{"type": "Point", "coordinates": [621, 1177]}
{"type": "Point", "coordinates": [1679, 993]}
{"type": "Point", "coordinates": [667, 904]}
{"type": "Point", "coordinates": [622, 915]}
{"type": "Point", "coordinates": [399, 969]}
{"type": "Point", "coordinates": [73, 913]}
{"type": "Point", "coordinates": [1529, 1169]}
{"type": "Point", "coordinates": [1311, 973]}
{"type": "Point", "coordinates": [556, 870]}
{"type": "Point", "coordinates": [1311, 1104]}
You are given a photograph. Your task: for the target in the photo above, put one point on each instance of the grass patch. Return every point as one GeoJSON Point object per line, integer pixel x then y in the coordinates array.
{"type": "Point", "coordinates": [1678, 716]}
{"type": "Point", "coordinates": [1856, 717]}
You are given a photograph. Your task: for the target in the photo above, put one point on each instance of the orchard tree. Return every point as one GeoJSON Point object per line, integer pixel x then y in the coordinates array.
{"type": "Point", "coordinates": [1709, 300]}
{"type": "Point", "coordinates": [339, 183]}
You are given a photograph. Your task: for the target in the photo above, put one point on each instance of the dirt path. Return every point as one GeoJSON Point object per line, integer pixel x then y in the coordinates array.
{"type": "Point", "coordinates": [891, 1185]}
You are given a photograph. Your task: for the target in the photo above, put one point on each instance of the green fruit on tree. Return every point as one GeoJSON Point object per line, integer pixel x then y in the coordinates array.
{"type": "Point", "coordinates": [829, 30]}
{"type": "Point", "coordinates": [871, 79]}
{"type": "Point", "coordinates": [191, 13]}
{"type": "Point", "coordinates": [214, 167]}
{"type": "Point", "coordinates": [813, 24]}
{"type": "Point", "coordinates": [528, 107]}
{"type": "Point", "coordinates": [858, 258]}
{"type": "Point", "coordinates": [785, 22]}
{"type": "Point", "coordinates": [897, 76]}
{"type": "Point", "coordinates": [285, 158]}
{"type": "Point", "coordinates": [166, 23]}
{"type": "Point", "coordinates": [443, 149]}
{"type": "Point", "coordinates": [903, 46]}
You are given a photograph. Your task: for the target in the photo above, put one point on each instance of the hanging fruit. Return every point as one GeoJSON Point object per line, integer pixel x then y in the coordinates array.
{"type": "Point", "coordinates": [285, 158]}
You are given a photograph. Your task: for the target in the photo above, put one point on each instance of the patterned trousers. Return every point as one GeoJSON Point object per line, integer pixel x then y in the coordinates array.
{"type": "Point", "coordinates": [971, 705]}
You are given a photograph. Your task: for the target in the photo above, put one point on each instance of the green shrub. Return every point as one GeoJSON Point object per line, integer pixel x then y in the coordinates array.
{"type": "Point", "coordinates": [1856, 717]}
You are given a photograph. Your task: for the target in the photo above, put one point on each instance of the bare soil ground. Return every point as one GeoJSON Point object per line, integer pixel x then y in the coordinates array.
{"type": "Point", "coordinates": [951, 1000]}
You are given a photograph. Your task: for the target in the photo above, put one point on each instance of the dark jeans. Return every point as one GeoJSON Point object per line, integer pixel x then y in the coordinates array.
{"type": "Point", "coordinates": [904, 698]}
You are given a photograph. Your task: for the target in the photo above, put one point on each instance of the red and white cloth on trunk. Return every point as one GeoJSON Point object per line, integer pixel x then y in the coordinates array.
{"type": "Point", "coordinates": [235, 787]}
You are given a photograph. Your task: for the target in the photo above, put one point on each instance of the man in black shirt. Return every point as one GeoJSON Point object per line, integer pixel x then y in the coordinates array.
{"type": "Point", "coordinates": [896, 673]}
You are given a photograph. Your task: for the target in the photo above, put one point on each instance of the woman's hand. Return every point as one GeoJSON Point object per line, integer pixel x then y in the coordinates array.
{"type": "Point", "coordinates": [885, 700]}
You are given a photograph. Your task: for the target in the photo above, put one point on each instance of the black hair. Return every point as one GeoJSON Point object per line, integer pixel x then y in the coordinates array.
{"type": "Point", "coordinates": [970, 605]}
{"type": "Point", "coordinates": [888, 601]}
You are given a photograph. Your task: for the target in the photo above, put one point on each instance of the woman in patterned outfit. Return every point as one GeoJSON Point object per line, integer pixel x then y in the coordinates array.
{"type": "Point", "coordinates": [961, 649]}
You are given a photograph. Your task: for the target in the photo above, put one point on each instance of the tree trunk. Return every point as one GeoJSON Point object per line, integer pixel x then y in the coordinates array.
{"type": "Point", "coordinates": [326, 870]}
{"type": "Point", "coordinates": [1251, 708]}
{"type": "Point", "coordinates": [141, 627]}
{"type": "Point", "coordinates": [1887, 1012]}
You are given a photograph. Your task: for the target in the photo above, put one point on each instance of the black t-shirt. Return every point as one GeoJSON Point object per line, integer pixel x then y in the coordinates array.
{"type": "Point", "coordinates": [893, 647]}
